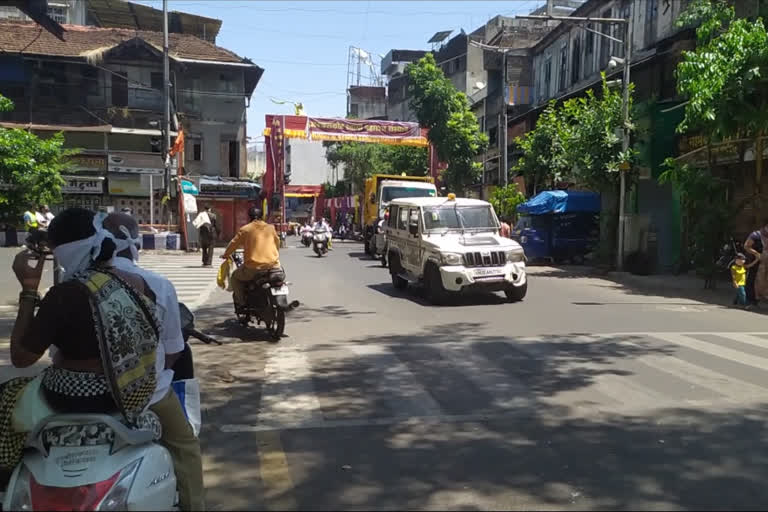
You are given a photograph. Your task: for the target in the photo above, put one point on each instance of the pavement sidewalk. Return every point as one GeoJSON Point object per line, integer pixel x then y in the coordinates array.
{"type": "Point", "coordinates": [669, 285]}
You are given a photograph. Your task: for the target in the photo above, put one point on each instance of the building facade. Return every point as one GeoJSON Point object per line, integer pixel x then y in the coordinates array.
{"type": "Point", "coordinates": [121, 14]}
{"type": "Point", "coordinates": [366, 102]}
{"type": "Point", "coordinates": [393, 70]}
{"type": "Point", "coordinates": [103, 89]}
{"type": "Point", "coordinates": [569, 60]}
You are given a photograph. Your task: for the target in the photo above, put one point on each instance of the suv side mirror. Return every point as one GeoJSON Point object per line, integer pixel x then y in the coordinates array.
{"type": "Point", "coordinates": [413, 228]}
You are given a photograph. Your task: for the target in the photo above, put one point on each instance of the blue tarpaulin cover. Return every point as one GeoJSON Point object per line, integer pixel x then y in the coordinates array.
{"type": "Point", "coordinates": [561, 201]}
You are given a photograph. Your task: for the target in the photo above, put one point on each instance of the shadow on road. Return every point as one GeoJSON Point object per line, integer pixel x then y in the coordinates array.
{"type": "Point", "coordinates": [526, 452]}
{"type": "Point", "coordinates": [416, 295]}
{"type": "Point", "coordinates": [228, 327]}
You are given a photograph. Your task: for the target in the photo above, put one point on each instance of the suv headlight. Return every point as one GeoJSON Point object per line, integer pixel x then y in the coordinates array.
{"type": "Point", "coordinates": [515, 256]}
{"type": "Point", "coordinates": [451, 258]}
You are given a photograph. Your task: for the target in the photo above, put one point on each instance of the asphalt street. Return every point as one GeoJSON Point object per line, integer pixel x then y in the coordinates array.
{"type": "Point", "coordinates": [587, 395]}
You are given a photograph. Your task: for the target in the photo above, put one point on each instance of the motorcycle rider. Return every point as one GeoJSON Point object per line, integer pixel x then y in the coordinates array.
{"type": "Point", "coordinates": [261, 255]}
{"type": "Point", "coordinates": [306, 230]}
{"type": "Point", "coordinates": [83, 316]}
{"type": "Point", "coordinates": [322, 225]}
{"type": "Point", "coordinates": [178, 436]}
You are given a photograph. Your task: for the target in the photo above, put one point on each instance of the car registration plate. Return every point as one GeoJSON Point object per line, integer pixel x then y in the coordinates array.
{"type": "Point", "coordinates": [283, 290]}
{"type": "Point", "coordinates": [488, 272]}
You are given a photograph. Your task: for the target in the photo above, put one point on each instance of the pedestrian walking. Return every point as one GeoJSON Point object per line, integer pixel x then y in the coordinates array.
{"type": "Point", "coordinates": [207, 229]}
{"type": "Point", "coordinates": [739, 271]}
{"type": "Point", "coordinates": [757, 277]}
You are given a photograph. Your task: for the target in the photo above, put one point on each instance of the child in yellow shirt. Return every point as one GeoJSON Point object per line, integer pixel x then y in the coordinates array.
{"type": "Point", "coordinates": [739, 277]}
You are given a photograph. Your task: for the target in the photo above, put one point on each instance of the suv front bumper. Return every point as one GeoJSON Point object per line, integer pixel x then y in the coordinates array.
{"type": "Point", "coordinates": [458, 278]}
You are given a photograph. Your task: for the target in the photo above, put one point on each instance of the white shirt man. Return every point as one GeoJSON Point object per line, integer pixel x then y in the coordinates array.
{"type": "Point", "coordinates": [323, 225]}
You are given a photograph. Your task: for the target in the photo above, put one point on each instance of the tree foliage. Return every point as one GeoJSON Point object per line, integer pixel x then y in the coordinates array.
{"type": "Point", "coordinates": [453, 128]}
{"type": "Point", "coordinates": [725, 77]}
{"type": "Point", "coordinates": [361, 160]}
{"type": "Point", "coordinates": [707, 213]}
{"type": "Point", "coordinates": [545, 159]}
{"type": "Point", "coordinates": [725, 80]}
{"type": "Point", "coordinates": [30, 169]}
{"type": "Point", "coordinates": [579, 140]}
{"type": "Point", "coordinates": [505, 201]}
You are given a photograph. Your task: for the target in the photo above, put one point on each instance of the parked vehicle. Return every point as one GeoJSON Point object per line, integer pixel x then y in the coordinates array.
{"type": "Point", "coordinates": [380, 189]}
{"type": "Point", "coordinates": [96, 461]}
{"type": "Point", "coordinates": [320, 242]}
{"type": "Point", "coordinates": [559, 225]}
{"type": "Point", "coordinates": [452, 245]}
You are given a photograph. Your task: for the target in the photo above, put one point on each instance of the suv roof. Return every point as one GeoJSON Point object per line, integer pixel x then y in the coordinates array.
{"type": "Point", "coordinates": [438, 201]}
{"type": "Point", "coordinates": [409, 184]}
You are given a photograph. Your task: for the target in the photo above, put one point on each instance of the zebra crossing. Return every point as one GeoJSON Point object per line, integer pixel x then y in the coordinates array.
{"type": "Point", "coordinates": [353, 384]}
{"type": "Point", "coordinates": [194, 283]}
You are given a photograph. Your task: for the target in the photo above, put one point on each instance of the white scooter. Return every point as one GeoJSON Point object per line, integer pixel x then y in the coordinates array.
{"type": "Point", "coordinates": [96, 462]}
{"type": "Point", "coordinates": [320, 242]}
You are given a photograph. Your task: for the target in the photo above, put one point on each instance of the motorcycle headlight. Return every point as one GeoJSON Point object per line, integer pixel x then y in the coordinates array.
{"type": "Point", "coordinates": [515, 256]}
{"type": "Point", "coordinates": [451, 258]}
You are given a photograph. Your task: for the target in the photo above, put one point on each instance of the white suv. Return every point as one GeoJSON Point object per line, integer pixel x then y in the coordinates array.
{"type": "Point", "coordinates": [452, 245]}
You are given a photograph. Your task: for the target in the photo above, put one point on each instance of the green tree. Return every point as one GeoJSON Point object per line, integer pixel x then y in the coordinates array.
{"type": "Point", "coordinates": [453, 128]}
{"type": "Point", "coordinates": [579, 140]}
{"type": "Point", "coordinates": [505, 201]}
{"type": "Point", "coordinates": [361, 160]}
{"type": "Point", "coordinates": [725, 79]}
{"type": "Point", "coordinates": [594, 137]}
{"type": "Point", "coordinates": [413, 161]}
{"type": "Point", "coordinates": [545, 159]}
{"type": "Point", "coordinates": [30, 169]}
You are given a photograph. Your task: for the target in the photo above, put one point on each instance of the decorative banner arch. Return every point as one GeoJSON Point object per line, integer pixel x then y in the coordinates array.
{"type": "Point", "coordinates": [281, 127]}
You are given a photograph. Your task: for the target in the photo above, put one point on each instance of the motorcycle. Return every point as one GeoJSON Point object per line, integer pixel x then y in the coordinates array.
{"type": "Point", "coordinates": [306, 238]}
{"type": "Point", "coordinates": [267, 301]}
{"type": "Point", "coordinates": [320, 242]}
{"type": "Point", "coordinates": [96, 461]}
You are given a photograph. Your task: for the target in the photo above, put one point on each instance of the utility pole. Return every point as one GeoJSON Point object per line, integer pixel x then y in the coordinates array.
{"type": "Point", "coordinates": [167, 105]}
{"type": "Point", "coordinates": [625, 140]}
{"type": "Point", "coordinates": [504, 178]}
{"type": "Point", "coordinates": [627, 62]}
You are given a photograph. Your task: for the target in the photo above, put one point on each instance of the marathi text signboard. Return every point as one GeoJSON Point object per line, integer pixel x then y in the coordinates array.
{"type": "Point", "coordinates": [84, 162]}
{"type": "Point", "coordinates": [83, 185]}
{"type": "Point", "coordinates": [382, 132]}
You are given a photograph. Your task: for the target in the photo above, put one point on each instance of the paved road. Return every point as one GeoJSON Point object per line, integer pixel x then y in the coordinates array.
{"type": "Point", "coordinates": [586, 395]}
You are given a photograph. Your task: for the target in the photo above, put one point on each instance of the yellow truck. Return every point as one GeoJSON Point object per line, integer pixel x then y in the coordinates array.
{"type": "Point", "coordinates": [380, 189]}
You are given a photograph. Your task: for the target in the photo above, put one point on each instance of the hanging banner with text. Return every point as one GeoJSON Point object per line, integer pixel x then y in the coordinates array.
{"type": "Point", "coordinates": [381, 132]}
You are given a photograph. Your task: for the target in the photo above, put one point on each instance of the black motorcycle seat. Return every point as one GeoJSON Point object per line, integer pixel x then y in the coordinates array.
{"type": "Point", "coordinates": [273, 277]}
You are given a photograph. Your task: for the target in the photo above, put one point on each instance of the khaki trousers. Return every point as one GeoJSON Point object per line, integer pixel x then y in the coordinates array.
{"type": "Point", "coordinates": [179, 439]}
{"type": "Point", "coordinates": [240, 278]}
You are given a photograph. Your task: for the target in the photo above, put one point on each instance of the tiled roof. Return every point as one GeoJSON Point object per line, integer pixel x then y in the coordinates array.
{"type": "Point", "coordinates": [79, 41]}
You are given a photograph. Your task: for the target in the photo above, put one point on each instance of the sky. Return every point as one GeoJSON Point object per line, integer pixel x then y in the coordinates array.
{"type": "Point", "coordinates": [303, 46]}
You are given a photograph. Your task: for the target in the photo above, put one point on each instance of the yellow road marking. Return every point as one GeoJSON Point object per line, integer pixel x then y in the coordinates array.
{"type": "Point", "coordinates": [275, 473]}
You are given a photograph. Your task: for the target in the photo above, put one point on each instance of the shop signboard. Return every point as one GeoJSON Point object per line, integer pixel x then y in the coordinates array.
{"type": "Point", "coordinates": [87, 163]}
{"type": "Point", "coordinates": [138, 163]}
{"type": "Point", "coordinates": [83, 185]}
{"type": "Point", "coordinates": [133, 184]}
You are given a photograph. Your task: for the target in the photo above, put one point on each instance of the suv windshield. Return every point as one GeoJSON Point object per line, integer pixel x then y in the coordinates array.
{"type": "Point", "coordinates": [459, 217]}
{"type": "Point", "coordinates": [390, 193]}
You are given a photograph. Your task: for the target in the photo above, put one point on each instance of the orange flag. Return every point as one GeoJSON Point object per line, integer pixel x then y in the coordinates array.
{"type": "Point", "coordinates": [178, 145]}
